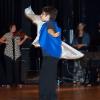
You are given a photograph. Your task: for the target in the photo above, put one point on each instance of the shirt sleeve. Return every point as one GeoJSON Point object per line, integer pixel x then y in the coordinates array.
{"type": "Point", "coordinates": [5, 35]}
{"type": "Point", "coordinates": [50, 25]}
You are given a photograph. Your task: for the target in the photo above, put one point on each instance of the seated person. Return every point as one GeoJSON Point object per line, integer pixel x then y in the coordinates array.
{"type": "Point", "coordinates": [82, 39]}
{"type": "Point", "coordinates": [81, 43]}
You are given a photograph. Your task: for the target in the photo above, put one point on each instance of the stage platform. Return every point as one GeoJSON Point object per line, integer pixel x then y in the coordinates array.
{"type": "Point", "coordinates": [65, 92]}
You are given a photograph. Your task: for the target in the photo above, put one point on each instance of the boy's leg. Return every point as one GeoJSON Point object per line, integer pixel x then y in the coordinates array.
{"type": "Point", "coordinates": [48, 77]}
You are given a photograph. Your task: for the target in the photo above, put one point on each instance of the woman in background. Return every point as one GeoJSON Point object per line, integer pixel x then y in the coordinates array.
{"type": "Point", "coordinates": [13, 56]}
{"type": "Point", "coordinates": [81, 43]}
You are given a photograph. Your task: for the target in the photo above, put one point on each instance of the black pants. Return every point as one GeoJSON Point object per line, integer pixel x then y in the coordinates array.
{"type": "Point", "coordinates": [2, 70]}
{"type": "Point", "coordinates": [13, 71]}
{"type": "Point", "coordinates": [48, 77]}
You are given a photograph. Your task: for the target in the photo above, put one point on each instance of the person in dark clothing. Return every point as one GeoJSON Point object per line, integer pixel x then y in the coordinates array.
{"type": "Point", "coordinates": [50, 42]}
{"type": "Point", "coordinates": [81, 43]}
{"type": "Point", "coordinates": [82, 38]}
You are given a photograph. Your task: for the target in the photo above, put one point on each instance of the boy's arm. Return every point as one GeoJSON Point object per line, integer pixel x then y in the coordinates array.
{"type": "Point", "coordinates": [51, 28]}
{"type": "Point", "coordinates": [53, 33]}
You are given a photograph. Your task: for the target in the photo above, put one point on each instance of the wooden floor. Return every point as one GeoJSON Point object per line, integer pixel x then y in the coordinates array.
{"type": "Point", "coordinates": [65, 92]}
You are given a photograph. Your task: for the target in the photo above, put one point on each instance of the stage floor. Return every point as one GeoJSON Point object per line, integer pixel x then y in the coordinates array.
{"type": "Point", "coordinates": [65, 92]}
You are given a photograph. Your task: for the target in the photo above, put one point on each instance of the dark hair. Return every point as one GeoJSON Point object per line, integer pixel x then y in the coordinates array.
{"type": "Point", "coordinates": [51, 11]}
{"type": "Point", "coordinates": [11, 25]}
{"type": "Point", "coordinates": [84, 29]}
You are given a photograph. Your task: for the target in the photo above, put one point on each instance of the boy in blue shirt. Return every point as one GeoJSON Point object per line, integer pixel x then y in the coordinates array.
{"type": "Point", "coordinates": [50, 42]}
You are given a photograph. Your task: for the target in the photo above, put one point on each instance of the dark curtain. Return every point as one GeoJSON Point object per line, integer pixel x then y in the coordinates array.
{"type": "Point", "coordinates": [9, 13]}
{"type": "Point", "coordinates": [63, 6]}
{"type": "Point", "coordinates": [13, 11]}
{"type": "Point", "coordinates": [70, 13]}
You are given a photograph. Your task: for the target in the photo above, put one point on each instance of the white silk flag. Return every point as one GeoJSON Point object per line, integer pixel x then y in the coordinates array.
{"type": "Point", "coordinates": [68, 52]}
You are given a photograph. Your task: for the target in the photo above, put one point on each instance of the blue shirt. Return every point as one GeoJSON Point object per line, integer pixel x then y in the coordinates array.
{"type": "Point", "coordinates": [84, 40]}
{"type": "Point", "coordinates": [51, 45]}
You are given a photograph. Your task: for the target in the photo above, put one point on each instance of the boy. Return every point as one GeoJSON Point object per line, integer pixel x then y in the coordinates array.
{"type": "Point", "coordinates": [68, 52]}
{"type": "Point", "coordinates": [50, 42]}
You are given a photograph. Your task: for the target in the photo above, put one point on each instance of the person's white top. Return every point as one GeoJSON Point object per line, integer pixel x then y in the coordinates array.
{"type": "Point", "coordinates": [68, 52]}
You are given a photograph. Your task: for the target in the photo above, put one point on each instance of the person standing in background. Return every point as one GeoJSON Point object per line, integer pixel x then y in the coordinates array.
{"type": "Point", "coordinates": [12, 55]}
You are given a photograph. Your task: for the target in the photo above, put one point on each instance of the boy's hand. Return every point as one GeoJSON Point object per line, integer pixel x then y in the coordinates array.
{"type": "Point", "coordinates": [52, 32]}
{"type": "Point", "coordinates": [56, 35]}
